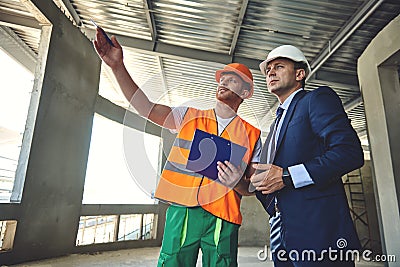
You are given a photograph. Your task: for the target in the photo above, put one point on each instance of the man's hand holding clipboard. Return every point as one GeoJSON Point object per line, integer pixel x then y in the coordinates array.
{"type": "Point", "coordinates": [229, 174]}
{"type": "Point", "coordinates": [216, 158]}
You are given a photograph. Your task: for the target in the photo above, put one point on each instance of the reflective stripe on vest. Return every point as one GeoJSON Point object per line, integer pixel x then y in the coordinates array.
{"type": "Point", "coordinates": [184, 187]}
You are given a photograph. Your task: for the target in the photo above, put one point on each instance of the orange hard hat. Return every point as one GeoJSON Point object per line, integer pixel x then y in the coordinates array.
{"type": "Point", "coordinates": [242, 70]}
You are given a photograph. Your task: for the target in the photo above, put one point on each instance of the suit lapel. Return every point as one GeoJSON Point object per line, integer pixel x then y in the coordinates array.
{"type": "Point", "coordinates": [288, 116]}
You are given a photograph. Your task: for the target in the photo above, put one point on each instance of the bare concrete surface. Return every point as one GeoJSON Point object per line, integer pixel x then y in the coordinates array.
{"type": "Point", "coordinates": [147, 257]}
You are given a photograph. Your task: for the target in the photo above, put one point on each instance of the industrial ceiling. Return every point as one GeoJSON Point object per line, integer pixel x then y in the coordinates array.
{"type": "Point", "coordinates": [172, 47]}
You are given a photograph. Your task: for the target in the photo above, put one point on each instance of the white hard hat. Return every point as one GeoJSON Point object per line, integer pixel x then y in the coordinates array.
{"type": "Point", "coordinates": [285, 51]}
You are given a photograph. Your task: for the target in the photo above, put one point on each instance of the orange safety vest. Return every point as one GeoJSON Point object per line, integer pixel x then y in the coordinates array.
{"type": "Point", "coordinates": [184, 187]}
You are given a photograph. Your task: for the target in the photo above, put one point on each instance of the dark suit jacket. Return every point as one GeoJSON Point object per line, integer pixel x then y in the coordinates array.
{"type": "Point", "coordinates": [317, 133]}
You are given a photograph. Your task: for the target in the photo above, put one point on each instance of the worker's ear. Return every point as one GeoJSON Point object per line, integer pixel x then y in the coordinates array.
{"type": "Point", "coordinates": [300, 74]}
{"type": "Point", "coordinates": [247, 93]}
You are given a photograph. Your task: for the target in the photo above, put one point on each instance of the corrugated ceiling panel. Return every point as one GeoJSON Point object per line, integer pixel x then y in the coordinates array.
{"type": "Point", "coordinates": [192, 83]}
{"type": "Point", "coordinates": [210, 26]}
{"type": "Point", "coordinates": [357, 118]}
{"type": "Point", "coordinates": [30, 36]}
{"type": "Point", "coordinates": [115, 16]}
{"type": "Point", "coordinates": [16, 9]}
{"type": "Point", "coordinates": [306, 24]}
{"type": "Point", "coordinates": [144, 70]}
{"type": "Point", "coordinates": [345, 58]}
{"type": "Point", "coordinates": [204, 25]}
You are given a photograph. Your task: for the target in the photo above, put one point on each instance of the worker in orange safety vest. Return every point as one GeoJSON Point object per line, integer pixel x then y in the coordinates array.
{"type": "Point", "coordinates": [204, 213]}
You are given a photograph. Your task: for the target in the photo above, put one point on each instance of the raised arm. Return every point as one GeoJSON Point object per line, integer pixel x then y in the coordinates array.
{"type": "Point", "coordinates": [113, 57]}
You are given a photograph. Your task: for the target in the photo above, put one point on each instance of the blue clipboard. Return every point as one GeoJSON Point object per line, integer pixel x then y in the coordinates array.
{"type": "Point", "coordinates": [207, 149]}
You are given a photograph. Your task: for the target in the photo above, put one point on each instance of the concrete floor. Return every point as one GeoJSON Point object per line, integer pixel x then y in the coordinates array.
{"type": "Point", "coordinates": [147, 257]}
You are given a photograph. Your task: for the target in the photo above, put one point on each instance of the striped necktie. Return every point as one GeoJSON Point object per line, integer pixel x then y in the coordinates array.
{"type": "Point", "coordinates": [270, 148]}
{"type": "Point", "coordinates": [272, 144]}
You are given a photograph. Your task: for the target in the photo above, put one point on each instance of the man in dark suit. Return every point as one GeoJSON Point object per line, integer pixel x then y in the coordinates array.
{"type": "Point", "coordinates": [311, 145]}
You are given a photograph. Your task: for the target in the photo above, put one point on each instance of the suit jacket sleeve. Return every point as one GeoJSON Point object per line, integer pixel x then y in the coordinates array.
{"type": "Point", "coordinates": [342, 150]}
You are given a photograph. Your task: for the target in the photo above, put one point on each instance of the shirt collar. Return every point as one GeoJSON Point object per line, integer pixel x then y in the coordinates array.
{"type": "Point", "coordinates": [285, 105]}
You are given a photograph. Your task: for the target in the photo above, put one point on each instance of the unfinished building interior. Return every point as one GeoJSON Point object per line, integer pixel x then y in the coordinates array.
{"type": "Point", "coordinates": [78, 165]}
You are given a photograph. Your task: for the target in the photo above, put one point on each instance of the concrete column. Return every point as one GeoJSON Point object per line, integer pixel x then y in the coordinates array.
{"type": "Point", "coordinates": [379, 80]}
{"type": "Point", "coordinates": [67, 87]}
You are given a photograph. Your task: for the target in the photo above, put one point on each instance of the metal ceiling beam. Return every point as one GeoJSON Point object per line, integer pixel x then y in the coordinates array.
{"type": "Point", "coordinates": [39, 8]}
{"type": "Point", "coordinates": [18, 21]}
{"type": "Point", "coordinates": [177, 52]}
{"type": "Point", "coordinates": [352, 25]}
{"type": "Point", "coordinates": [119, 114]}
{"type": "Point", "coordinates": [17, 48]}
{"type": "Point", "coordinates": [184, 53]}
{"type": "Point", "coordinates": [338, 78]}
{"type": "Point", "coordinates": [150, 19]}
{"type": "Point", "coordinates": [66, 4]}
{"type": "Point", "coordinates": [235, 37]}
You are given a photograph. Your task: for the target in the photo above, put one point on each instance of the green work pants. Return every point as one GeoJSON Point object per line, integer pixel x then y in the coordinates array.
{"type": "Point", "coordinates": [189, 229]}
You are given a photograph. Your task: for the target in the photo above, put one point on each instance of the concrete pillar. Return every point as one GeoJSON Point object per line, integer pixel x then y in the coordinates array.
{"type": "Point", "coordinates": [67, 87]}
{"type": "Point", "coordinates": [379, 80]}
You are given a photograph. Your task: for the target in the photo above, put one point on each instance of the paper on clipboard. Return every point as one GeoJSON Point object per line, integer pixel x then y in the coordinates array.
{"type": "Point", "coordinates": [207, 149]}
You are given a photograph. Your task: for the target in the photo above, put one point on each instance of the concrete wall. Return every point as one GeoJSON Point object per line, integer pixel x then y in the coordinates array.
{"type": "Point", "coordinates": [52, 196]}
{"type": "Point", "coordinates": [56, 146]}
{"type": "Point", "coordinates": [379, 80]}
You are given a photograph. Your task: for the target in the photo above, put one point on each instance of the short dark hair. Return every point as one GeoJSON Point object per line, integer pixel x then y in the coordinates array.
{"type": "Point", "coordinates": [246, 84]}
{"type": "Point", "coordinates": [301, 65]}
